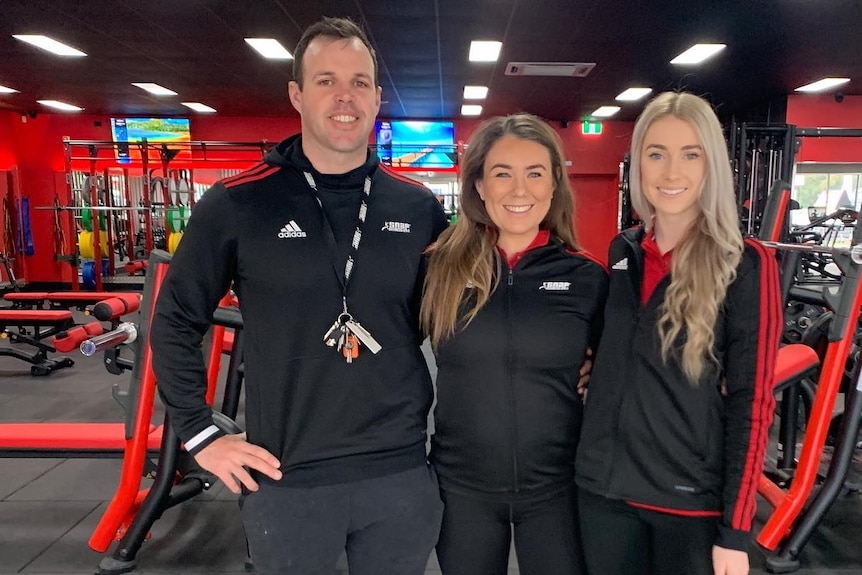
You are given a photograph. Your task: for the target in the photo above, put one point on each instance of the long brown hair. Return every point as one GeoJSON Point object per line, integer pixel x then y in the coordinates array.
{"type": "Point", "coordinates": [465, 256]}
{"type": "Point", "coordinates": [705, 260]}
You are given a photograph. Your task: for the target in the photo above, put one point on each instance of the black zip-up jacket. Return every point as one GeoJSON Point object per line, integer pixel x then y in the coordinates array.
{"type": "Point", "coordinates": [650, 437]}
{"type": "Point", "coordinates": [263, 232]}
{"type": "Point", "coordinates": [508, 414]}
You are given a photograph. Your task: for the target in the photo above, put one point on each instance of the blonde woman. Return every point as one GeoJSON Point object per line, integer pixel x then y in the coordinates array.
{"type": "Point", "coordinates": [680, 399]}
{"type": "Point", "coordinates": [511, 306]}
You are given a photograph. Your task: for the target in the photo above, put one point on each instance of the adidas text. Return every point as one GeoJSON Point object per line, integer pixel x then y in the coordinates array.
{"type": "Point", "coordinates": [291, 230]}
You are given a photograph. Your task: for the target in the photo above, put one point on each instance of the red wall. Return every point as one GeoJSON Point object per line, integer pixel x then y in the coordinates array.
{"type": "Point", "coordinates": [34, 147]}
{"type": "Point", "coordinates": [811, 111]}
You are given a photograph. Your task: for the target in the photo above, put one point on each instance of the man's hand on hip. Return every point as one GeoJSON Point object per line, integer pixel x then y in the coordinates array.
{"type": "Point", "coordinates": [230, 457]}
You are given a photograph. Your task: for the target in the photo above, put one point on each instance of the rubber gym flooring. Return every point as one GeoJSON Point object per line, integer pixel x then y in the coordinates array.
{"type": "Point", "coordinates": [49, 507]}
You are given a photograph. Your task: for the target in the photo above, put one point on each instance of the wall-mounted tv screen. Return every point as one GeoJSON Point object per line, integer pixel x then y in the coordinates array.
{"type": "Point", "coordinates": [156, 131]}
{"type": "Point", "coordinates": [417, 144]}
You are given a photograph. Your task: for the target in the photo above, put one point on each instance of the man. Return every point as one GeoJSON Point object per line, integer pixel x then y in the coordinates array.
{"type": "Point", "coordinates": [315, 240]}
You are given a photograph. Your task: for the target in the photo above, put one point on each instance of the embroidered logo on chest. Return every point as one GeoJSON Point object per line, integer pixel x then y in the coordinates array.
{"type": "Point", "coordinates": [555, 286]}
{"type": "Point", "coordinates": [400, 227]}
{"type": "Point", "coordinates": [291, 230]}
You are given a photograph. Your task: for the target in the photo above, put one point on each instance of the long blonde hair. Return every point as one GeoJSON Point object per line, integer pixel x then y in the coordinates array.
{"type": "Point", "coordinates": [705, 260]}
{"type": "Point", "coordinates": [465, 254]}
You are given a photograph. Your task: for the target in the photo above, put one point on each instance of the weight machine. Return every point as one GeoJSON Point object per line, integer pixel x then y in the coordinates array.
{"type": "Point", "coordinates": [132, 206]}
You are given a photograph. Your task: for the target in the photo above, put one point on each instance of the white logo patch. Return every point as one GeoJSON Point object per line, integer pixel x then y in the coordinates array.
{"type": "Point", "coordinates": [291, 230]}
{"type": "Point", "coordinates": [623, 264]}
{"type": "Point", "coordinates": [555, 286]}
{"type": "Point", "coordinates": [401, 227]}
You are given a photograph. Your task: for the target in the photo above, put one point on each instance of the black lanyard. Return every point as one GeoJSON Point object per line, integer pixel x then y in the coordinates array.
{"type": "Point", "coordinates": [354, 242]}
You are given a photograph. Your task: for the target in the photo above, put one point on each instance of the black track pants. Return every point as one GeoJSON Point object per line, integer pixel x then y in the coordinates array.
{"type": "Point", "coordinates": [387, 525]}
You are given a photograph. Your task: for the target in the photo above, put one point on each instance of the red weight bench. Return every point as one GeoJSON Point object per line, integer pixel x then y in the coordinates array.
{"type": "Point", "coordinates": [82, 300]}
{"type": "Point", "coordinates": [53, 322]}
{"type": "Point", "coordinates": [26, 300]}
{"type": "Point", "coordinates": [97, 440]}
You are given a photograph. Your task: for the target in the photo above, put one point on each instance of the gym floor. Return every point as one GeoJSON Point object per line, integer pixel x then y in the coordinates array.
{"type": "Point", "coordinates": [49, 507]}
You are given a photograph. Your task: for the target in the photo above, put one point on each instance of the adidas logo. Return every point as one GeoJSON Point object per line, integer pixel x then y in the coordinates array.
{"type": "Point", "coordinates": [555, 286]}
{"type": "Point", "coordinates": [401, 227]}
{"type": "Point", "coordinates": [623, 264]}
{"type": "Point", "coordinates": [291, 230]}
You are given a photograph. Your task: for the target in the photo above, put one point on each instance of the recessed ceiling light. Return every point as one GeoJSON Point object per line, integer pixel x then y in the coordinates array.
{"type": "Point", "coordinates": [484, 51]}
{"type": "Point", "coordinates": [5, 90]}
{"type": "Point", "coordinates": [154, 89]}
{"type": "Point", "coordinates": [470, 110]}
{"type": "Point", "coordinates": [605, 111]}
{"type": "Point", "coordinates": [269, 48]}
{"type": "Point", "coordinates": [198, 107]}
{"type": "Point", "coordinates": [632, 94]}
{"type": "Point", "coordinates": [822, 85]}
{"type": "Point", "coordinates": [698, 53]}
{"type": "Point", "coordinates": [57, 105]}
{"type": "Point", "coordinates": [475, 92]}
{"type": "Point", "coordinates": [49, 44]}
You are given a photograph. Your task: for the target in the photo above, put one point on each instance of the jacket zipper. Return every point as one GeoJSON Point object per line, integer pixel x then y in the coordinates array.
{"type": "Point", "coordinates": [509, 354]}
{"type": "Point", "coordinates": [618, 427]}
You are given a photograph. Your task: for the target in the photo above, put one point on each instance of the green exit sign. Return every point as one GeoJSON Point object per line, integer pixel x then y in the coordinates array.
{"type": "Point", "coordinates": [591, 128]}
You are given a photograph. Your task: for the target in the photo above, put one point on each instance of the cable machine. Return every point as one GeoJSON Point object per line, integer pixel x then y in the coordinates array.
{"type": "Point", "coordinates": [120, 209]}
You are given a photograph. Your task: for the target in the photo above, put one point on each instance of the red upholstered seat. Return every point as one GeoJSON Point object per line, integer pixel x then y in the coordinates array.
{"type": "Point", "coordinates": [793, 361]}
{"type": "Point", "coordinates": [81, 296]}
{"type": "Point", "coordinates": [71, 436]}
{"type": "Point", "coordinates": [34, 317]}
{"type": "Point", "coordinates": [25, 296]}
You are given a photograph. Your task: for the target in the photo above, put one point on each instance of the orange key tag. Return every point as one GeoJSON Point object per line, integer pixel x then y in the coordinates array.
{"type": "Point", "coordinates": [350, 349]}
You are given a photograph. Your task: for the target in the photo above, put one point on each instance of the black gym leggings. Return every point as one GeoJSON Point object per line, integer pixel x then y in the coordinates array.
{"type": "Point", "coordinates": [620, 539]}
{"type": "Point", "coordinates": [477, 533]}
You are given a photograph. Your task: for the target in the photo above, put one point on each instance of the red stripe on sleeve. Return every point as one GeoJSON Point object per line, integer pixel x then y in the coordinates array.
{"type": "Point", "coordinates": [767, 346]}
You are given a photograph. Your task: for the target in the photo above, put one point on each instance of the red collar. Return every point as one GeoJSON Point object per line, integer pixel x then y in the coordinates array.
{"type": "Point", "coordinates": [651, 249]}
{"type": "Point", "coordinates": [540, 240]}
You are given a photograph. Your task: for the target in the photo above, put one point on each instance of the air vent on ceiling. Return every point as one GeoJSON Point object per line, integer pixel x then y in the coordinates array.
{"type": "Point", "coordinates": [574, 69]}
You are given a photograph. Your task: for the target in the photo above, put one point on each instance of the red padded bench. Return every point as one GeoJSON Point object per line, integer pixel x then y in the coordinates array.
{"type": "Point", "coordinates": [69, 439]}
{"type": "Point", "coordinates": [54, 320]}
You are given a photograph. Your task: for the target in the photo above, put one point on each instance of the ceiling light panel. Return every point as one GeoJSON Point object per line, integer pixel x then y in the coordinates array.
{"type": "Point", "coordinates": [154, 89]}
{"type": "Point", "coordinates": [605, 111]}
{"type": "Point", "coordinates": [633, 94]}
{"type": "Point", "coordinates": [475, 92]}
{"type": "Point", "coordinates": [198, 107]}
{"type": "Point", "coordinates": [5, 90]}
{"type": "Point", "coordinates": [698, 53]}
{"type": "Point", "coordinates": [822, 85]}
{"type": "Point", "coordinates": [57, 105]}
{"type": "Point", "coordinates": [484, 51]}
{"type": "Point", "coordinates": [471, 110]}
{"type": "Point", "coordinates": [269, 48]}
{"type": "Point", "coordinates": [49, 44]}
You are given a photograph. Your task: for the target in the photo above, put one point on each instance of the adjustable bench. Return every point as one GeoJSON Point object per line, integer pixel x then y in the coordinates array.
{"type": "Point", "coordinates": [53, 320]}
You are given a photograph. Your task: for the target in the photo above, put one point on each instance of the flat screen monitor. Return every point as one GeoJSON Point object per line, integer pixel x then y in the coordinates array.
{"type": "Point", "coordinates": [156, 131]}
{"type": "Point", "coordinates": [417, 144]}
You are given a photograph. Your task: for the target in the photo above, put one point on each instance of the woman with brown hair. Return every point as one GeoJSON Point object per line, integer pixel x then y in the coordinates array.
{"type": "Point", "coordinates": [511, 305]}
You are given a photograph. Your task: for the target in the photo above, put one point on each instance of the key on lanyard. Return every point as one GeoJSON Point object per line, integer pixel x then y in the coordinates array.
{"type": "Point", "coordinates": [363, 335]}
{"type": "Point", "coordinates": [350, 348]}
